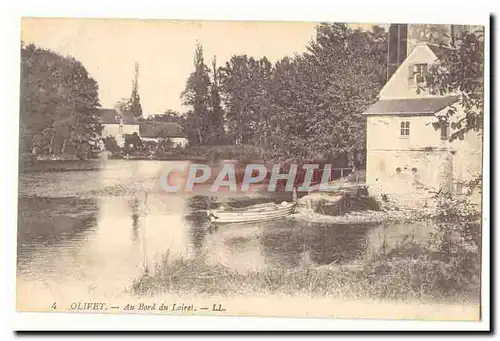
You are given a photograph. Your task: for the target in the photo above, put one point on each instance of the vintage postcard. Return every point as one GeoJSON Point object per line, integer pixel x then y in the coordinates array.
{"type": "Point", "coordinates": [265, 169]}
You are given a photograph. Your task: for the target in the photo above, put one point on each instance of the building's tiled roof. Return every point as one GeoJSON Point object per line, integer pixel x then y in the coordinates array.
{"type": "Point", "coordinates": [111, 116]}
{"type": "Point", "coordinates": [411, 106]}
{"type": "Point", "coordinates": [153, 129]}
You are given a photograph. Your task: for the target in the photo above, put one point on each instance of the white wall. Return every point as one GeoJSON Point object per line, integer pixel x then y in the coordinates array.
{"type": "Point", "coordinates": [438, 162]}
{"type": "Point", "coordinates": [387, 151]}
{"type": "Point", "coordinates": [176, 141]}
{"type": "Point", "coordinates": [115, 131]}
{"type": "Point", "coordinates": [384, 132]}
{"type": "Point", "coordinates": [130, 129]}
{"type": "Point", "coordinates": [118, 132]}
{"type": "Point", "coordinates": [181, 141]}
{"type": "Point", "coordinates": [110, 130]}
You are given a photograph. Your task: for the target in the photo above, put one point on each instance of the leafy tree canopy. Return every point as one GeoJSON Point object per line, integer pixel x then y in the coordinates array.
{"type": "Point", "coordinates": [461, 71]}
{"type": "Point", "coordinates": [58, 104]}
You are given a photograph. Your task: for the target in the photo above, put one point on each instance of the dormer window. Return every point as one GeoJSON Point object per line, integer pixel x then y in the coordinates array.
{"type": "Point", "coordinates": [420, 72]}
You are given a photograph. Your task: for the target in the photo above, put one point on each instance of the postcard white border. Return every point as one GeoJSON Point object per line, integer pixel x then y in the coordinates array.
{"type": "Point", "coordinates": [311, 10]}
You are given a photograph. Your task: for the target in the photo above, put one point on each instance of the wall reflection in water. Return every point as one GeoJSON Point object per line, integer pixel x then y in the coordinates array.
{"type": "Point", "coordinates": [126, 224]}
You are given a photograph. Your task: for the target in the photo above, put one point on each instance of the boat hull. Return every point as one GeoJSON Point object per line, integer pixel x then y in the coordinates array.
{"type": "Point", "coordinates": [252, 214]}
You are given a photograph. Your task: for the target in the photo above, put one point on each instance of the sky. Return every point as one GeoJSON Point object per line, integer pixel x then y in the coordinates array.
{"type": "Point", "coordinates": [164, 49]}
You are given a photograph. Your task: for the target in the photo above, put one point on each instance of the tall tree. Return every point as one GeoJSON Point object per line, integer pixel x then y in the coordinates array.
{"type": "Point", "coordinates": [123, 105]}
{"type": "Point", "coordinates": [234, 86]}
{"type": "Point", "coordinates": [245, 92]}
{"type": "Point", "coordinates": [135, 101]}
{"type": "Point", "coordinates": [196, 95]}
{"type": "Point", "coordinates": [168, 116]}
{"type": "Point", "coordinates": [216, 124]}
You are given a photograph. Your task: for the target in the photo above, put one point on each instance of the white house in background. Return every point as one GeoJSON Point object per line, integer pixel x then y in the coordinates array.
{"type": "Point", "coordinates": [117, 125]}
{"type": "Point", "coordinates": [155, 131]}
{"type": "Point", "coordinates": [409, 154]}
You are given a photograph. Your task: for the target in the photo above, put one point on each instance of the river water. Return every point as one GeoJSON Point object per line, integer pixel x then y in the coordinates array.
{"type": "Point", "coordinates": [95, 230]}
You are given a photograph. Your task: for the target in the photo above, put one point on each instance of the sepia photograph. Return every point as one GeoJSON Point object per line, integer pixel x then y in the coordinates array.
{"type": "Point", "coordinates": [251, 168]}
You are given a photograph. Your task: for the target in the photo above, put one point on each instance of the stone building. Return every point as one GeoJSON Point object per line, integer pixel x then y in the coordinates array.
{"type": "Point", "coordinates": [409, 155]}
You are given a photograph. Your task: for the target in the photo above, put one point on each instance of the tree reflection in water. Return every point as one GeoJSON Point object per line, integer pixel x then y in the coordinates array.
{"type": "Point", "coordinates": [44, 222]}
{"type": "Point", "coordinates": [197, 220]}
{"type": "Point", "coordinates": [135, 218]}
{"type": "Point", "coordinates": [51, 220]}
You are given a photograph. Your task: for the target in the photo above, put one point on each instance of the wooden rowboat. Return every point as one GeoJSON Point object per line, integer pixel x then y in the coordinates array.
{"type": "Point", "coordinates": [255, 213]}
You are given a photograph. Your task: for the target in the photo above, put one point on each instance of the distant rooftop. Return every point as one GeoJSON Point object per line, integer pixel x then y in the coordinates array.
{"type": "Point", "coordinates": [153, 129]}
{"type": "Point", "coordinates": [112, 116]}
{"type": "Point", "coordinates": [411, 106]}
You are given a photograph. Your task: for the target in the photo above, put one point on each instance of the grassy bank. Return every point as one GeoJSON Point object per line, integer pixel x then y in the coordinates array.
{"type": "Point", "coordinates": [410, 271]}
{"type": "Point", "coordinates": [445, 267]}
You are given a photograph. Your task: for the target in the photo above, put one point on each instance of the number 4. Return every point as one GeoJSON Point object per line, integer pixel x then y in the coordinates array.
{"type": "Point", "coordinates": [54, 306]}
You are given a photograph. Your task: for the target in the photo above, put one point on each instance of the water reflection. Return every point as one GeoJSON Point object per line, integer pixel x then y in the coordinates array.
{"type": "Point", "coordinates": [50, 227]}
{"type": "Point", "coordinates": [103, 242]}
{"type": "Point", "coordinates": [286, 244]}
{"type": "Point", "coordinates": [282, 243]}
{"type": "Point", "coordinates": [53, 221]}
{"type": "Point", "coordinates": [135, 218]}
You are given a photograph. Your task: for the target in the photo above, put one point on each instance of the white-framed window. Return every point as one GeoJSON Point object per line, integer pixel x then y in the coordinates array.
{"type": "Point", "coordinates": [405, 129]}
{"type": "Point", "coordinates": [445, 131]}
{"type": "Point", "coordinates": [420, 72]}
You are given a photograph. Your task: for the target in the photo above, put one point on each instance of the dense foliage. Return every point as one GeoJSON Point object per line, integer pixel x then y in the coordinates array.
{"type": "Point", "coordinates": [135, 101]}
{"type": "Point", "coordinates": [305, 107]}
{"type": "Point", "coordinates": [461, 70]}
{"type": "Point", "coordinates": [216, 112]}
{"type": "Point", "coordinates": [196, 95]}
{"type": "Point", "coordinates": [133, 143]}
{"type": "Point", "coordinates": [58, 104]}
{"type": "Point", "coordinates": [132, 106]}
{"type": "Point", "coordinates": [111, 145]}
{"type": "Point", "coordinates": [169, 116]}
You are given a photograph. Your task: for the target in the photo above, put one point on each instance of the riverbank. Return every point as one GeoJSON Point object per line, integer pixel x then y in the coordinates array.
{"type": "Point", "coordinates": [360, 217]}
{"type": "Point", "coordinates": [444, 268]}
{"type": "Point", "coordinates": [354, 205]}
{"type": "Point", "coordinates": [406, 272]}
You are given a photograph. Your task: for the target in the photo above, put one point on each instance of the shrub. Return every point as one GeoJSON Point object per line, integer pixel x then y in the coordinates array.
{"type": "Point", "coordinates": [111, 145]}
